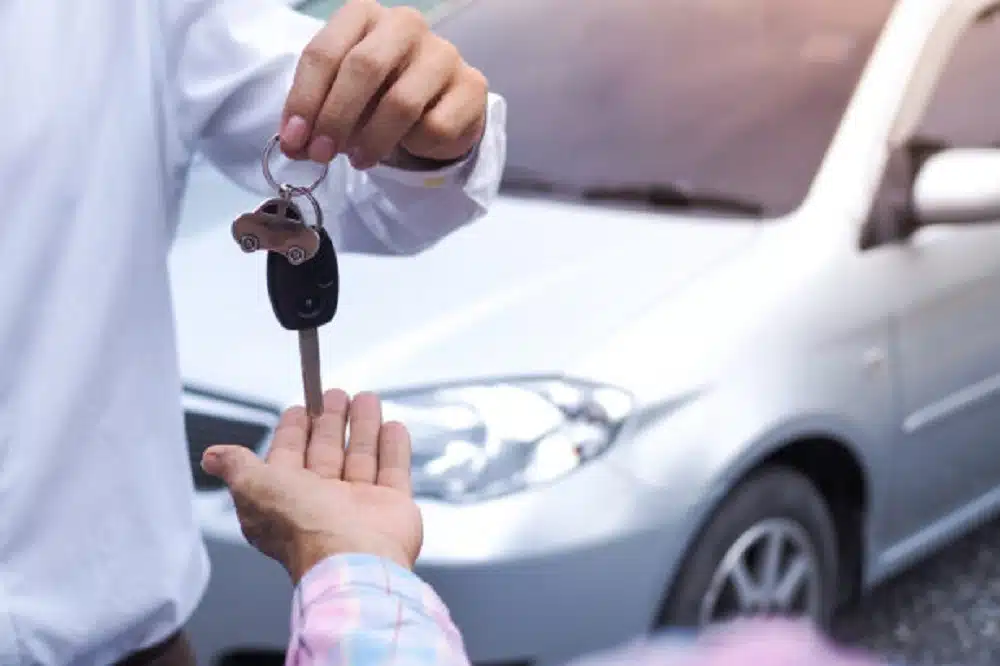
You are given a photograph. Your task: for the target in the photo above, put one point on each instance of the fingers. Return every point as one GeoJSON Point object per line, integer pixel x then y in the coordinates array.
{"type": "Point", "coordinates": [404, 103]}
{"type": "Point", "coordinates": [236, 465]}
{"type": "Point", "coordinates": [361, 460]}
{"type": "Point", "coordinates": [394, 452]}
{"type": "Point", "coordinates": [325, 454]}
{"type": "Point", "coordinates": [254, 489]}
{"type": "Point", "coordinates": [453, 126]}
{"type": "Point", "coordinates": [375, 79]}
{"type": "Point", "coordinates": [317, 69]}
{"type": "Point", "coordinates": [288, 446]}
{"type": "Point", "coordinates": [376, 453]}
{"type": "Point", "coordinates": [362, 74]}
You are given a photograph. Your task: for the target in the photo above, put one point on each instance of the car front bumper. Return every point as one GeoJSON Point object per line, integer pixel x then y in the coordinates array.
{"type": "Point", "coordinates": [533, 578]}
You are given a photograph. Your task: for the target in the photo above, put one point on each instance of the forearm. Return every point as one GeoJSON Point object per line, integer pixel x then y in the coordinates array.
{"type": "Point", "coordinates": [366, 611]}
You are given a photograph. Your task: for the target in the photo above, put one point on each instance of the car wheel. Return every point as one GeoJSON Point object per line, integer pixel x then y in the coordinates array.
{"type": "Point", "coordinates": [249, 243]}
{"type": "Point", "coordinates": [296, 255]}
{"type": "Point", "coordinates": [769, 549]}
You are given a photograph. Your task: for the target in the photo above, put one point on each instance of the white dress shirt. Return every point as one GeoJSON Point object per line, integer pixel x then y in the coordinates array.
{"type": "Point", "coordinates": [102, 104]}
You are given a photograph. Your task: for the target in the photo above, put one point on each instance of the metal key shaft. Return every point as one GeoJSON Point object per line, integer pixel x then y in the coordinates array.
{"type": "Point", "coordinates": [311, 376]}
{"type": "Point", "coordinates": [303, 280]}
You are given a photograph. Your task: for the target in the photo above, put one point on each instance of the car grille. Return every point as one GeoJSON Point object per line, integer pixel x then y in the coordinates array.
{"type": "Point", "coordinates": [213, 419]}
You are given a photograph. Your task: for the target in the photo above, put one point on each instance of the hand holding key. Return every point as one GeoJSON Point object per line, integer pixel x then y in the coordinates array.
{"type": "Point", "coordinates": [376, 84]}
{"type": "Point", "coordinates": [303, 278]}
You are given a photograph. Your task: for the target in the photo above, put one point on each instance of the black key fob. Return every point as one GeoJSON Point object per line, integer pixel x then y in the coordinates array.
{"type": "Point", "coordinates": [304, 296]}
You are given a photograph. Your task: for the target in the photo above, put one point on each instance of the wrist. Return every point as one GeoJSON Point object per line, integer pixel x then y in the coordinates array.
{"type": "Point", "coordinates": [407, 161]}
{"type": "Point", "coordinates": [403, 158]}
{"type": "Point", "coordinates": [310, 551]}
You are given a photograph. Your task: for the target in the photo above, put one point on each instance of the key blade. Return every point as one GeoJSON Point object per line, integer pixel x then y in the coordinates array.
{"type": "Point", "coordinates": [311, 381]}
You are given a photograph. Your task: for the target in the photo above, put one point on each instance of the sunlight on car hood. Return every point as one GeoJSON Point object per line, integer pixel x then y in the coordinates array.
{"type": "Point", "coordinates": [529, 289]}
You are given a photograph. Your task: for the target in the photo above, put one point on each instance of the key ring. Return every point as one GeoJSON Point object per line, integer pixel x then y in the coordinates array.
{"type": "Point", "coordinates": [269, 177]}
{"type": "Point", "coordinates": [294, 191]}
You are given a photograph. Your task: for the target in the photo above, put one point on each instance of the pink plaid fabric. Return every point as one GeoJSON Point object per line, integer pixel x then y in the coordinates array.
{"type": "Point", "coordinates": [359, 610]}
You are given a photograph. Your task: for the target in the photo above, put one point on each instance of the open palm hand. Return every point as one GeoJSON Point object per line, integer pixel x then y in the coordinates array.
{"type": "Point", "coordinates": [318, 494]}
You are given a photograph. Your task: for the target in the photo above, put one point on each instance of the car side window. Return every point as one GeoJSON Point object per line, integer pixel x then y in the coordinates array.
{"type": "Point", "coordinates": [963, 112]}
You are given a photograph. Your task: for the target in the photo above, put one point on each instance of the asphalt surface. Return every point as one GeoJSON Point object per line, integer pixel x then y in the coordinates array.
{"type": "Point", "coordinates": [943, 612]}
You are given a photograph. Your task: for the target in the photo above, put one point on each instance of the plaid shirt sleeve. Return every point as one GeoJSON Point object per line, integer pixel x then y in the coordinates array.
{"type": "Point", "coordinates": [361, 610]}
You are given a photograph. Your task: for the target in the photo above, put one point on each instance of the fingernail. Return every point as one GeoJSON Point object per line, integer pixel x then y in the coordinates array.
{"type": "Point", "coordinates": [295, 133]}
{"type": "Point", "coordinates": [210, 457]}
{"type": "Point", "coordinates": [322, 149]}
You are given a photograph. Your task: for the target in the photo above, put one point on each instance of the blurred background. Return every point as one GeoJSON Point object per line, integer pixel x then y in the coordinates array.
{"type": "Point", "coordinates": [728, 342]}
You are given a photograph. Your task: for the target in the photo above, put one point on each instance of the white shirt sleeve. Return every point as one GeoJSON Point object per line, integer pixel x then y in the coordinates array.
{"type": "Point", "coordinates": [230, 66]}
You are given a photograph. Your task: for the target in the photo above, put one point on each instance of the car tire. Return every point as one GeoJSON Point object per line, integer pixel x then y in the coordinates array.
{"type": "Point", "coordinates": [770, 501]}
{"type": "Point", "coordinates": [295, 255]}
{"type": "Point", "coordinates": [249, 243]}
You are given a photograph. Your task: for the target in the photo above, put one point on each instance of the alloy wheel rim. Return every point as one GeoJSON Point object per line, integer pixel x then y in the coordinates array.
{"type": "Point", "coordinates": [771, 569]}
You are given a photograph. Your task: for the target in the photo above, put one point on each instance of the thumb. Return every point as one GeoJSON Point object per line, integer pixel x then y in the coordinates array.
{"type": "Point", "coordinates": [230, 463]}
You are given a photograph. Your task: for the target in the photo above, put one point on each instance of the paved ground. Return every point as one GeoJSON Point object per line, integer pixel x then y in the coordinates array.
{"type": "Point", "coordinates": [944, 612]}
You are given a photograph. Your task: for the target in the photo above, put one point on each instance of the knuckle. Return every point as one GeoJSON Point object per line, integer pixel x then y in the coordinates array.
{"type": "Point", "coordinates": [407, 16]}
{"type": "Point", "coordinates": [448, 51]}
{"type": "Point", "coordinates": [444, 55]}
{"type": "Point", "coordinates": [475, 78]}
{"type": "Point", "coordinates": [364, 64]}
{"type": "Point", "coordinates": [403, 105]}
{"type": "Point", "coordinates": [317, 56]}
{"type": "Point", "coordinates": [441, 128]}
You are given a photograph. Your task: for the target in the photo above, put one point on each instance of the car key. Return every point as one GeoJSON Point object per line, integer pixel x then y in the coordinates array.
{"type": "Point", "coordinates": [303, 280]}
{"type": "Point", "coordinates": [304, 297]}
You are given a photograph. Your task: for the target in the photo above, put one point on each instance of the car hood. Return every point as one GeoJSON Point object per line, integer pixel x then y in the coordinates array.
{"type": "Point", "coordinates": [527, 290]}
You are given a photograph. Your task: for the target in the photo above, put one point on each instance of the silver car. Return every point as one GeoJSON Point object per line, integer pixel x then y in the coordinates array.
{"type": "Point", "coordinates": [729, 342]}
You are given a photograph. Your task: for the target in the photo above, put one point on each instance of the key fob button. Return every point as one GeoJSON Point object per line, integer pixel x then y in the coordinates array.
{"type": "Point", "coordinates": [309, 307]}
{"type": "Point", "coordinates": [304, 296]}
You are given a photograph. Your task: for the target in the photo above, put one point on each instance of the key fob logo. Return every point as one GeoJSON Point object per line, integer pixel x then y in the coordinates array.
{"type": "Point", "coordinates": [277, 226]}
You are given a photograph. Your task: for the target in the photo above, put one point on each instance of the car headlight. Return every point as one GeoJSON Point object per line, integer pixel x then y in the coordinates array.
{"type": "Point", "coordinates": [481, 440]}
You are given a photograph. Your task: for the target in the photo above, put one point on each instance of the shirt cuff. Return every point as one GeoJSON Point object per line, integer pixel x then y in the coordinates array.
{"type": "Point", "coordinates": [368, 575]}
{"type": "Point", "coordinates": [430, 179]}
{"type": "Point", "coordinates": [455, 171]}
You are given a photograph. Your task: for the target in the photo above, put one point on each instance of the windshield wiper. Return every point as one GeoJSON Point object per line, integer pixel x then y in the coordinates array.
{"type": "Point", "coordinates": [673, 196]}
{"type": "Point", "coordinates": [531, 183]}
{"type": "Point", "coordinates": [664, 195]}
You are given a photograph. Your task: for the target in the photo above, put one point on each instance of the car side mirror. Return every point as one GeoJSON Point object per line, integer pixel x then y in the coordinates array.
{"type": "Point", "coordinates": [958, 186]}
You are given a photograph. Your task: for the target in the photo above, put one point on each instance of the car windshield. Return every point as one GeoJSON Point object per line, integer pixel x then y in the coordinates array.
{"type": "Point", "coordinates": [652, 101]}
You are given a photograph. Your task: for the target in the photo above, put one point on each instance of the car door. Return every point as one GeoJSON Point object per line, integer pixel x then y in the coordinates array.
{"type": "Point", "coordinates": [947, 316]}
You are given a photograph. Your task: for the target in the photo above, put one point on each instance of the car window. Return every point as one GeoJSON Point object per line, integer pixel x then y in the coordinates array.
{"type": "Point", "coordinates": [737, 97]}
{"type": "Point", "coordinates": [964, 110]}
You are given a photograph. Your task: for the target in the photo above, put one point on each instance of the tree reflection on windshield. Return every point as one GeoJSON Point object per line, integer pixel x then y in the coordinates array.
{"type": "Point", "coordinates": [739, 98]}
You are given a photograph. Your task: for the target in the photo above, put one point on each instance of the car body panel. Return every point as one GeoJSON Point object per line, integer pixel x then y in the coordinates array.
{"type": "Point", "coordinates": [569, 263]}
